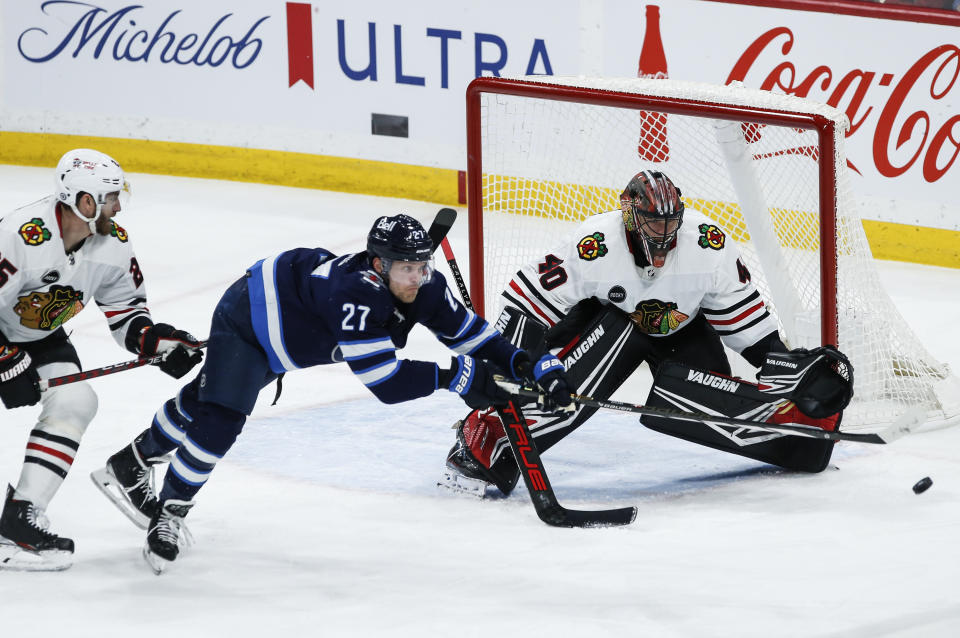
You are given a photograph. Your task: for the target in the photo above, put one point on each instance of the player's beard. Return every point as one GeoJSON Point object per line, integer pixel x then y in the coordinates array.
{"type": "Point", "coordinates": [407, 295]}
{"type": "Point", "coordinates": [104, 225]}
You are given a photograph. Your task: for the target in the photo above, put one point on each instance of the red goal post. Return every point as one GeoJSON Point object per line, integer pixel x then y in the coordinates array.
{"type": "Point", "coordinates": [826, 129]}
{"type": "Point", "coordinates": [546, 152]}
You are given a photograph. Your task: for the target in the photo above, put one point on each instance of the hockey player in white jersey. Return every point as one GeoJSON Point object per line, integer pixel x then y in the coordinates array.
{"type": "Point", "coordinates": [651, 282]}
{"type": "Point", "coordinates": [56, 256]}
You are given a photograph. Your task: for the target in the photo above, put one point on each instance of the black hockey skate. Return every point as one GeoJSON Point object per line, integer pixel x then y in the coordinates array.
{"type": "Point", "coordinates": [464, 473]}
{"type": "Point", "coordinates": [127, 480]}
{"type": "Point", "coordinates": [25, 543]}
{"type": "Point", "coordinates": [166, 534]}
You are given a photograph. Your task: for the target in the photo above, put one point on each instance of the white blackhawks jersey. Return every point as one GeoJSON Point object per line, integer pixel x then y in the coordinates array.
{"type": "Point", "coordinates": [703, 272]}
{"type": "Point", "coordinates": [41, 288]}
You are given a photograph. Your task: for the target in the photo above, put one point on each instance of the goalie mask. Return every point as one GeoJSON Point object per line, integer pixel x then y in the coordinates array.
{"type": "Point", "coordinates": [401, 238]}
{"type": "Point", "coordinates": [652, 214]}
{"type": "Point", "coordinates": [84, 170]}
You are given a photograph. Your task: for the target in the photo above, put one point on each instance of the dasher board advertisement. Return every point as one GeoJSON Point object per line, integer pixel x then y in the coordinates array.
{"type": "Point", "coordinates": [384, 81]}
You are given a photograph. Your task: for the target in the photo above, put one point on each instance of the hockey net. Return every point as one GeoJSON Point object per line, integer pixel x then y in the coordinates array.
{"type": "Point", "coordinates": [546, 152]}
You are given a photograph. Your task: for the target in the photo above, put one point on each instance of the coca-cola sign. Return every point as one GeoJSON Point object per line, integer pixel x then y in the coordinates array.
{"type": "Point", "coordinates": [903, 136]}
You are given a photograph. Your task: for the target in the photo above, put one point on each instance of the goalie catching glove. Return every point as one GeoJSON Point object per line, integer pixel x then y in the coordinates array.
{"type": "Point", "coordinates": [818, 381]}
{"type": "Point", "coordinates": [180, 350]}
{"type": "Point", "coordinates": [18, 378]}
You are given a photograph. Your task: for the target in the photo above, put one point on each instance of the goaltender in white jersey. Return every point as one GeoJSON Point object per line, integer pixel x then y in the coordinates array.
{"type": "Point", "coordinates": [652, 282]}
{"type": "Point", "coordinates": [702, 272]}
{"type": "Point", "coordinates": [57, 256]}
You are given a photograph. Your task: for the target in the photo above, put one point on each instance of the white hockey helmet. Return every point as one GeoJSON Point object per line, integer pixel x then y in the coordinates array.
{"type": "Point", "coordinates": [84, 170]}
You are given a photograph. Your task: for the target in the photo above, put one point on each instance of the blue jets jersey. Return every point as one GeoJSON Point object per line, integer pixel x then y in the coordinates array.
{"type": "Point", "coordinates": [310, 307]}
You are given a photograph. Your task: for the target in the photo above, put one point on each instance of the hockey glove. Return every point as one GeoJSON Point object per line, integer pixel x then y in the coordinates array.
{"type": "Point", "coordinates": [180, 349]}
{"type": "Point", "coordinates": [473, 381]}
{"type": "Point", "coordinates": [18, 378]}
{"type": "Point", "coordinates": [818, 381]}
{"type": "Point", "coordinates": [550, 375]}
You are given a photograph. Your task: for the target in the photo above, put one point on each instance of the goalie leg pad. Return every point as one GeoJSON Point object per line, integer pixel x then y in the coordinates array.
{"type": "Point", "coordinates": [520, 329]}
{"type": "Point", "coordinates": [598, 355]}
{"type": "Point", "coordinates": [599, 346]}
{"type": "Point", "coordinates": [679, 387]}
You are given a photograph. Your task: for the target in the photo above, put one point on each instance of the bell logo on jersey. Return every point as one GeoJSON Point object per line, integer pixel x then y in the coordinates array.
{"type": "Point", "coordinates": [48, 310]}
{"type": "Point", "coordinates": [33, 232]}
{"type": "Point", "coordinates": [118, 232]}
{"type": "Point", "coordinates": [711, 237]}
{"type": "Point", "coordinates": [656, 317]}
{"type": "Point", "coordinates": [591, 247]}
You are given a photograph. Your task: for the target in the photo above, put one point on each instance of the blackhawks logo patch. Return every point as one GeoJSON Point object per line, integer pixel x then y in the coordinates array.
{"type": "Point", "coordinates": [50, 309]}
{"type": "Point", "coordinates": [33, 232]}
{"type": "Point", "coordinates": [657, 317]}
{"type": "Point", "coordinates": [118, 232]}
{"type": "Point", "coordinates": [591, 247]}
{"type": "Point", "coordinates": [711, 236]}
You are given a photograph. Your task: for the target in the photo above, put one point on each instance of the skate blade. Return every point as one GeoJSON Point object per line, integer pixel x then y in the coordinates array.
{"type": "Point", "coordinates": [462, 485]}
{"type": "Point", "coordinates": [157, 564]}
{"type": "Point", "coordinates": [107, 483]}
{"type": "Point", "coordinates": [17, 559]}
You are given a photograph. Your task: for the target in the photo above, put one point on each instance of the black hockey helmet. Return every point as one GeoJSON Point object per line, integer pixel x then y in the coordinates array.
{"type": "Point", "coordinates": [652, 214]}
{"type": "Point", "coordinates": [400, 238]}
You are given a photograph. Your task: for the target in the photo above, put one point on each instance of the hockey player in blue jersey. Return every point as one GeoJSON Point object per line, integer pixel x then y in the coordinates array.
{"type": "Point", "coordinates": [301, 308]}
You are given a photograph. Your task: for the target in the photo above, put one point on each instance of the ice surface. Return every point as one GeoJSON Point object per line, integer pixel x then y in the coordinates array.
{"type": "Point", "coordinates": [324, 519]}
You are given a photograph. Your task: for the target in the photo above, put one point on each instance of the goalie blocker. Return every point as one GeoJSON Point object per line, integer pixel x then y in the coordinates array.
{"type": "Point", "coordinates": [821, 385]}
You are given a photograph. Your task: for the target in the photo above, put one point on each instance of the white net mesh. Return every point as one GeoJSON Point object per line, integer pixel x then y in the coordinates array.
{"type": "Point", "coordinates": [547, 164]}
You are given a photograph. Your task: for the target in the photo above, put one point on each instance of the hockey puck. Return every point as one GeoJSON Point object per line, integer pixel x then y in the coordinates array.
{"type": "Point", "coordinates": [922, 485]}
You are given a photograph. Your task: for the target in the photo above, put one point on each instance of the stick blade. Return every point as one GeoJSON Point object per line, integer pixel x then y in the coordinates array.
{"type": "Point", "coordinates": [906, 423]}
{"type": "Point", "coordinates": [441, 225]}
{"type": "Point", "coordinates": [559, 516]}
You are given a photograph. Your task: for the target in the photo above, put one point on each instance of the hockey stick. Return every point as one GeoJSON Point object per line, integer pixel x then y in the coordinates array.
{"type": "Point", "coordinates": [899, 427]}
{"type": "Point", "coordinates": [113, 368]}
{"type": "Point", "coordinates": [441, 226]}
{"type": "Point", "coordinates": [538, 485]}
{"type": "Point", "coordinates": [455, 269]}
{"type": "Point", "coordinates": [528, 458]}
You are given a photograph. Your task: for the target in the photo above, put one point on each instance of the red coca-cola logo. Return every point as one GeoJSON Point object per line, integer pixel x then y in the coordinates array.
{"type": "Point", "coordinates": [934, 145]}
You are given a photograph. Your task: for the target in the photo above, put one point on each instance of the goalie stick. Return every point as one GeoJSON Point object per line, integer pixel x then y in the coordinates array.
{"type": "Point", "coordinates": [899, 427]}
{"type": "Point", "coordinates": [113, 368]}
{"type": "Point", "coordinates": [528, 458]}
